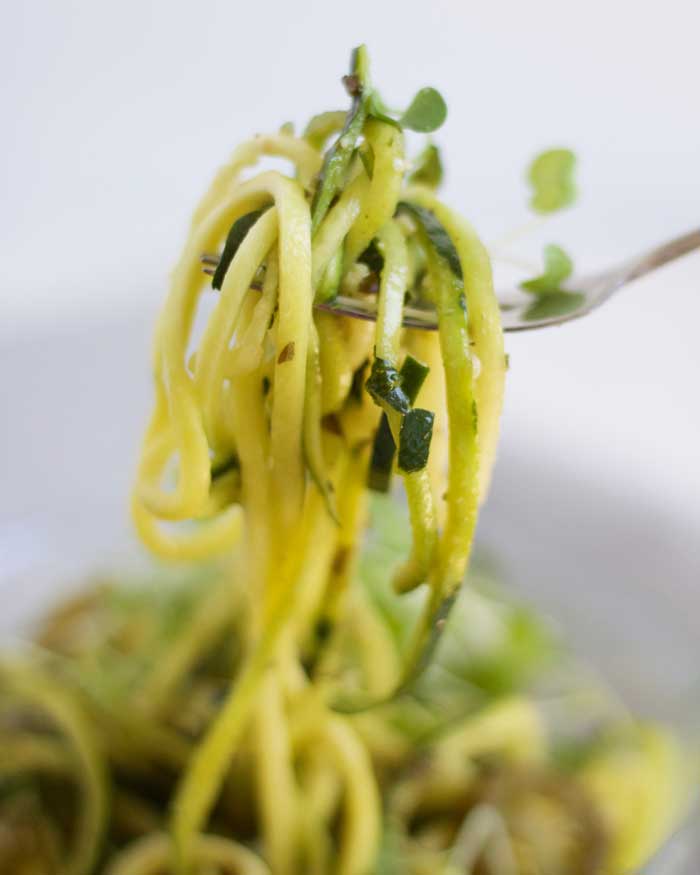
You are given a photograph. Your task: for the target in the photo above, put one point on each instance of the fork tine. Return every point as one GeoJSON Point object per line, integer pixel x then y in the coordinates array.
{"type": "Point", "coordinates": [520, 311]}
{"type": "Point", "coordinates": [357, 308]}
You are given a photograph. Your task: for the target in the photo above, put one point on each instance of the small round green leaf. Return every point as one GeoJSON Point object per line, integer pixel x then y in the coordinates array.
{"type": "Point", "coordinates": [551, 176]}
{"type": "Point", "coordinates": [426, 113]}
{"type": "Point", "coordinates": [554, 305]}
{"type": "Point", "coordinates": [428, 168]}
{"type": "Point", "coordinates": [558, 267]}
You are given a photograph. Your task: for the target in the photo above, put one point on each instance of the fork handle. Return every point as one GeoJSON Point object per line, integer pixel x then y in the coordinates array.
{"type": "Point", "coordinates": [663, 254]}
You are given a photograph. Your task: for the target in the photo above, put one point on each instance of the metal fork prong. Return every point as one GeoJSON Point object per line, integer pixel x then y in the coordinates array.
{"type": "Point", "coordinates": [362, 308]}
{"type": "Point", "coordinates": [359, 308]}
{"type": "Point", "coordinates": [521, 311]}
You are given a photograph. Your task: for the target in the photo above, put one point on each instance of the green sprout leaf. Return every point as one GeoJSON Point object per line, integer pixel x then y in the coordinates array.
{"type": "Point", "coordinates": [426, 113]}
{"type": "Point", "coordinates": [553, 305]}
{"type": "Point", "coordinates": [552, 299]}
{"type": "Point", "coordinates": [428, 169]}
{"type": "Point", "coordinates": [551, 176]}
{"type": "Point", "coordinates": [557, 268]}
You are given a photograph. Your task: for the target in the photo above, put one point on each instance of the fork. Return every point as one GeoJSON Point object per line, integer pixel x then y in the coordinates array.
{"type": "Point", "coordinates": [521, 311]}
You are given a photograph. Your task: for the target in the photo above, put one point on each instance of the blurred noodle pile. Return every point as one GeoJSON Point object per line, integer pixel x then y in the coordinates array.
{"type": "Point", "coordinates": [320, 697]}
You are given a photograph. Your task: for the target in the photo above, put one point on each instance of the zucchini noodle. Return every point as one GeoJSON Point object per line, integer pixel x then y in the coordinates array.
{"type": "Point", "coordinates": [295, 714]}
{"type": "Point", "coordinates": [262, 382]}
{"type": "Point", "coordinates": [421, 504]}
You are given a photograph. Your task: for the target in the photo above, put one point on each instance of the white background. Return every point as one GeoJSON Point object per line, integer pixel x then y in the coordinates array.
{"type": "Point", "coordinates": [114, 115]}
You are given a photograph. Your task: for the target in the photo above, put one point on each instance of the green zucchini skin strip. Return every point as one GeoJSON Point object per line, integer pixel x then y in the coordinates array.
{"type": "Point", "coordinates": [419, 495]}
{"type": "Point", "coordinates": [462, 489]}
{"type": "Point", "coordinates": [463, 451]}
{"type": "Point", "coordinates": [235, 237]}
{"type": "Point", "coordinates": [414, 440]}
{"type": "Point", "coordinates": [471, 404]}
{"type": "Point", "coordinates": [382, 459]}
{"type": "Point", "coordinates": [463, 494]}
{"type": "Point", "coordinates": [384, 385]}
{"type": "Point", "coordinates": [413, 374]}
{"type": "Point", "coordinates": [339, 156]}
{"type": "Point", "coordinates": [435, 232]}
{"type": "Point", "coordinates": [485, 331]}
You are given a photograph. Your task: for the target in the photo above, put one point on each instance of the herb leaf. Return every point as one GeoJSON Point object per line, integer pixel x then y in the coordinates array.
{"type": "Point", "coordinates": [414, 439]}
{"type": "Point", "coordinates": [436, 233]}
{"type": "Point", "coordinates": [429, 169]}
{"type": "Point", "coordinates": [551, 175]}
{"type": "Point", "coordinates": [235, 237]}
{"type": "Point", "coordinates": [384, 385]}
{"type": "Point", "coordinates": [426, 113]}
{"type": "Point", "coordinates": [558, 267]}
{"type": "Point", "coordinates": [552, 299]}
{"type": "Point", "coordinates": [554, 304]}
